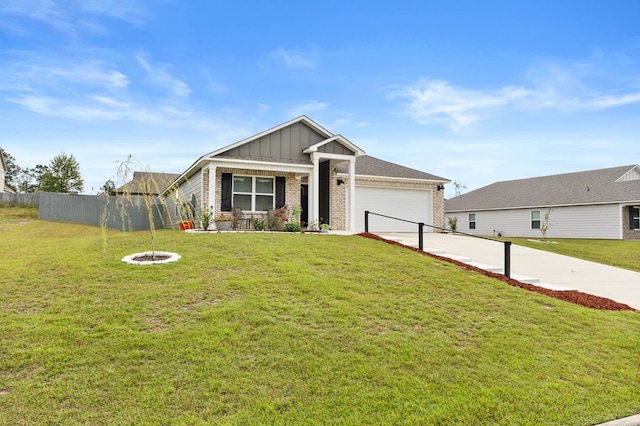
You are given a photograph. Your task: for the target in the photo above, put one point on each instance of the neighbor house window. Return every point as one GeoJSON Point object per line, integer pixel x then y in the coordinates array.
{"type": "Point", "coordinates": [472, 221]}
{"type": "Point", "coordinates": [535, 219]}
{"type": "Point", "coordinates": [253, 193]}
{"type": "Point", "coordinates": [634, 217]}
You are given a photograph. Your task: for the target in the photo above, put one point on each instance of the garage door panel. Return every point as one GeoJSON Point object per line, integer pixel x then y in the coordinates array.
{"type": "Point", "coordinates": [413, 205]}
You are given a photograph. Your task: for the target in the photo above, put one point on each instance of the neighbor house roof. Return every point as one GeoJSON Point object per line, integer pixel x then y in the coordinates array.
{"type": "Point", "coordinates": [372, 166]}
{"type": "Point", "coordinates": [602, 186]}
{"type": "Point", "coordinates": [156, 182]}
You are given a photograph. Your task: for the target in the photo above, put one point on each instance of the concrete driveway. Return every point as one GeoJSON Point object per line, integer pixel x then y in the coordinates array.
{"type": "Point", "coordinates": [538, 267]}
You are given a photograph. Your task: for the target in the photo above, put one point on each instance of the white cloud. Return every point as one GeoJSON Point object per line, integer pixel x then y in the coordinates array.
{"type": "Point", "coordinates": [159, 76]}
{"type": "Point", "coordinates": [599, 82]}
{"type": "Point", "coordinates": [433, 101]}
{"type": "Point", "coordinates": [70, 17]}
{"type": "Point", "coordinates": [262, 108]}
{"type": "Point", "coordinates": [436, 101]}
{"type": "Point", "coordinates": [296, 59]}
{"type": "Point", "coordinates": [306, 108]}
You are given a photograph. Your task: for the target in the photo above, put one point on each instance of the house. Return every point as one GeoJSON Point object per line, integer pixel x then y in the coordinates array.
{"type": "Point", "coordinates": [151, 183]}
{"type": "Point", "coordinates": [601, 203]}
{"type": "Point", "coordinates": [3, 174]}
{"type": "Point", "coordinates": [300, 163]}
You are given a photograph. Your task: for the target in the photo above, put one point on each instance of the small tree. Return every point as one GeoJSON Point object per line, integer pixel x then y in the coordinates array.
{"type": "Point", "coordinates": [545, 224]}
{"type": "Point", "coordinates": [146, 189]}
{"type": "Point", "coordinates": [63, 175]}
{"type": "Point", "coordinates": [453, 223]}
{"type": "Point", "coordinates": [458, 188]}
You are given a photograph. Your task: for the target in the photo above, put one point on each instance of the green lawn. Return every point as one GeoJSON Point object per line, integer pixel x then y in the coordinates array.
{"type": "Point", "coordinates": [623, 254]}
{"type": "Point", "coordinates": [265, 328]}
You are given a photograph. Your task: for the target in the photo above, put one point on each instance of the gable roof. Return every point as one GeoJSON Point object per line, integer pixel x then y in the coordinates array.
{"type": "Point", "coordinates": [157, 182]}
{"type": "Point", "coordinates": [302, 119]}
{"type": "Point", "coordinates": [601, 186]}
{"type": "Point", "coordinates": [372, 166]}
{"type": "Point", "coordinates": [318, 138]}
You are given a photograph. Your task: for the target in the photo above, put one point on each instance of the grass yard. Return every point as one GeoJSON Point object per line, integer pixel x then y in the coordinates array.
{"type": "Point", "coordinates": [265, 328]}
{"type": "Point", "coordinates": [619, 253]}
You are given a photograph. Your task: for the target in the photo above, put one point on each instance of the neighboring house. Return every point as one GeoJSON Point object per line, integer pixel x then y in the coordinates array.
{"type": "Point", "coordinates": [147, 183]}
{"type": "Point", "coordinates": [300, 163]}
{"type": "Point", "coordinates": [3, 171]}
{"type": "Point", "coordinates": [603, 203]}
{"type": "Point", "coordinates": [3, 174]}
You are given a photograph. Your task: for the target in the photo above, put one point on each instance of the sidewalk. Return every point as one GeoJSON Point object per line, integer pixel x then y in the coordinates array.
{"type": "Point", "coordinates": [538, 267]}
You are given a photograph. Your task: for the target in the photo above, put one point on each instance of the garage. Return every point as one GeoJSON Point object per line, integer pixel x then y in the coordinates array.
{"type": "Point", "coordinates": [409, 204]}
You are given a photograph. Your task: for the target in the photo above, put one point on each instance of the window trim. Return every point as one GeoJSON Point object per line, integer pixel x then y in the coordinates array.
{"type": "Point", "coordinates": [534, 220]}
{"type": "Point", "coordinates": [472, 221]}
{"type": "Point", "coordinates": [634, 215]}
{"type": "Point", "coordinates": [253, 192]}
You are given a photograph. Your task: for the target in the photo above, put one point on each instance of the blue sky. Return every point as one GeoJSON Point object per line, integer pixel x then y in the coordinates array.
{"type": "Point", "coordinates": [475, 92]}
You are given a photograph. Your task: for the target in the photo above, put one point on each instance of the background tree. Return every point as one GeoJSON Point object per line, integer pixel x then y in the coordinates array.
{"type": "Point", "coordinates": [109, 187]}
{"type": "Point", "coordinates": [458, 188]}
{"type": "Point", "coordinates": [63, 175]}
{"type": "Point", "coordinates": [29, 180]}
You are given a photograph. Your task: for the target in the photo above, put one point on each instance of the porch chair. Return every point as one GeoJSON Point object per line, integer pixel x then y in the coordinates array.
{"type": "Point", "coordinates": [241, 221]}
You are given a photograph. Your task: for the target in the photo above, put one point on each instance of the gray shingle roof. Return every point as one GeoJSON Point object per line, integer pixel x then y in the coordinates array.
{"type": "Point", "coordinates": [579, 188]}
{"type": "Point", "coordinates": [371, 166]}
{"type": "Point", "coordinates": [157, 182]}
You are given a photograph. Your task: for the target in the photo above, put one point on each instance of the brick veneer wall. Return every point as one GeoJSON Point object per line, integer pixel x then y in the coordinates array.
{"type": "Point", "coordinates": [338, 213]}
{"type": "Point", "coordinates": [338, 192]}
{"type": "Point", "coordinates": [292, 185]}
{"type": "Point", "coordinates": [628, 234]}
{"type": "Point", "coordinates": [205, 187]}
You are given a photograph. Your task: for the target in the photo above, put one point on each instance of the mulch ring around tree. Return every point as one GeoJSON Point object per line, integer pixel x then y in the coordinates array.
{"type": "Point", "coordinates": [151, 258]}
{"type": "Point", "coordinates": [588, 300]}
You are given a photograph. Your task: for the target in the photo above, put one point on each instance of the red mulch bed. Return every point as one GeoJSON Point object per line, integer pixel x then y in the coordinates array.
{"type": "Point", "coordinates": [572, 296]}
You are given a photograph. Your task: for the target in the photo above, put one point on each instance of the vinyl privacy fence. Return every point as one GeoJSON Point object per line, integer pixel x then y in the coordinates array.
{"type": "Point", "coordinates": [12, 199]}
{"type": "Point", "coordinates": [100, 210]}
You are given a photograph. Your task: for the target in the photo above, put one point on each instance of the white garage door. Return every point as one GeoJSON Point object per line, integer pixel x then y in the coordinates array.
{"type": "Point", "coordinates": [409, 204]}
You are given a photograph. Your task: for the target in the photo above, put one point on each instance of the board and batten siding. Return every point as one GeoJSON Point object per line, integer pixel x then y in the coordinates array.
{"type": "Point", "coordinates": [592, 221]}
{"type": "Point", "coordinates": [284, 145]}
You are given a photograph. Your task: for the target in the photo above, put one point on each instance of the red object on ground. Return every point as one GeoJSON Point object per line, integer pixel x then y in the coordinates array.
{"type": "Point", "coordinates": [185, 224]}
{"type": "Point", "coordinates": [584, 299]}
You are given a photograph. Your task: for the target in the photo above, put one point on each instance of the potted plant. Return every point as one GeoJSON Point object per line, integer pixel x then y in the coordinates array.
{"type": "Point", "coordinates": [224, 222]}
{"type": "Point", "coordinates": [324, 228]}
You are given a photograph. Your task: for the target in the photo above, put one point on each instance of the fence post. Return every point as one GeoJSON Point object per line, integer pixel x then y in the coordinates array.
{"type": "Point", "coordinates": [366, 221]}
{"type": "Point", "coordinates": [507, 259]}
{"type": "Point", "coordinates": [421, 236]}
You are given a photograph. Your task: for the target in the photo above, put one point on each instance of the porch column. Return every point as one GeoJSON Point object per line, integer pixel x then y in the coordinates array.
{"type": "Point", "coordinates": [314, 189]}
{"type": "Point", "coordinates": [212, 188]}
{"type": "Point", "coordinates": [351, 220]}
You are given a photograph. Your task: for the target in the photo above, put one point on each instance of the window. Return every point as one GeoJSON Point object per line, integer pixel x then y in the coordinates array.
{"type": "Point", "coordinates": [535, 219]}
{"type": "Point", "coordinates": [253, 193]}
{"type": "Point", "coordinates": [634, 217]}
{"type": "Point", "coordinates": [472, 221]}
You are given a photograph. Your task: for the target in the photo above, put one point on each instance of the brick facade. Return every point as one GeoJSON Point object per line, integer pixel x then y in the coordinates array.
{"type": "Point", "coordinates": [338, 207]}
{"type": "Point", "coordinates": [627, 233]}
{"type": "Point", "coordinates": [292, 185]}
